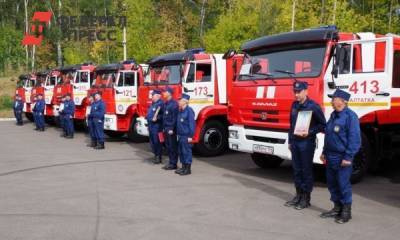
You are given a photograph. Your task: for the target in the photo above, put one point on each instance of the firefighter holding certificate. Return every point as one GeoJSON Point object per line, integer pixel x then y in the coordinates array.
{"type": "Point", "coordinates": [154, 118]}
{"type": "Point", "coordinates": [306, 120]}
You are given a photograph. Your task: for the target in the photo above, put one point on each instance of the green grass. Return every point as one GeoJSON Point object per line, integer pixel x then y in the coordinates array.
{"type": "Point", "coordinates": [7, 88]}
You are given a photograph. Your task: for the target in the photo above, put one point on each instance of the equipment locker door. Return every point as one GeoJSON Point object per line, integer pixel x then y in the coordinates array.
{"type": "Point", "coordinates": [364, 69]}
{"type": "Point", "coordinates": [125, 91]}
{"type": "Point", "coordinates": [81, 85]}
{"type": "Point", "coordinates": [199, 84]}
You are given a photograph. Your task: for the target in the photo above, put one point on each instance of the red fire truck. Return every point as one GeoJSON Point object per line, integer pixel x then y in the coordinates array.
{"type": "Point", "coordinates": [38, 87]}
{"type": "Point", "coordinates": [365, 64]}
{"type": "Point", "coordinates": [118, 84]}
{"type": "Point", "coordinates": [205, 77]}
{"type": "Point", "coordinates": [75, 80]}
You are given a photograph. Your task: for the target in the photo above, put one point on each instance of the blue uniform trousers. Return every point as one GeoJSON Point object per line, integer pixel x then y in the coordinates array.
{"type": "Point", "coordinates": [69, 125]}
{"type": "Point", "coordinates": [302, 163]}
{"type": "Point", "coordinates": [184, 150]}
{"type": "Point", "coordinates": [98, 130]}
{"type": "Point", "coordinates": [156, 146]}
{"type": "Point", "coordinates": [171, 144]}
{"type": "Point", "coordinates": [338, 179]}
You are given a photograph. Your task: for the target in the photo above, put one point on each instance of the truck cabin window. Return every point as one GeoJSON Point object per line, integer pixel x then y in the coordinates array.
{"type": "Point", "coordinates": [52, 81]}
{"type": "Point", "coordinates": [126, 79]}
{"type": "Point", "coordinates": [164, 74]}
{"type": "Point", "coordinates": [200, 72]}
{"type": "Point", "coordinates": [305, 60]}
{"type": "Point", "coordinates": [82, 77]}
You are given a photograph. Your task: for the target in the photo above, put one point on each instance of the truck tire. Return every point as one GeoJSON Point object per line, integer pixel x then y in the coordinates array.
{"type": "Point", "coordinates": [29, 116]}
{"type": "Point", "coordinates": [266, 161]}
{"type": "Point", "coordinates": [361, 161]}
{"type": "Point", "coordinates": [213, 140]}
{"type": "Point", "coordinates": [114, 134]}
{"type": "Point", "coordinates": [132, 134]}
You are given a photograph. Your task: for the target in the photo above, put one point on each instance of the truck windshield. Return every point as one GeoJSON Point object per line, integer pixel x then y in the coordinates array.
{"type": "Point", "coordinates": [164, 74]}
{"type": "Point", "coordinates": [66, 77]}
{"type": "Point", "coordinates": [30, 83]}
{"type": "Point", "coordinates": [106, 79]}
{"type": "Point", "coordinates": [305, 60]}
{"type": "Point", "coordinates": [83, 77]}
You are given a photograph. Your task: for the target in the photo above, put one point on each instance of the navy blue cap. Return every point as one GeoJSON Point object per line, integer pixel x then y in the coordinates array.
{"type": "Point", "coordinates": [298, 86]}
{"type": "Point", "coordinates": [98, 92]}
{"type": "Point", "coordinates": [39, 94]}
{"type": "Point", "coordinates": [170, 90]}
{"type": "Point", "coordinates": [185, 96]}
{"type": "Point", "coordinates": [155, 91]}
{"type": "Point", "coordinates": [340, 94]}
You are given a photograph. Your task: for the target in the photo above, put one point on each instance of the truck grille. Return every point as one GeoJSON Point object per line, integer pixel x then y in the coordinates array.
{"type": "Point", "coordinates": [270, 116]}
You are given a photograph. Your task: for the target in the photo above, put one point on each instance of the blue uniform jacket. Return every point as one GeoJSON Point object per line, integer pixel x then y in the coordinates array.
{"type": "Point", "coordinates": [97, 110]}
{"type": "Point", "coordinates": [186, 124]}
{"type": "Point", "coordinates": [69, 108]}
{"type": "Point", "coordinates": [317, 124]}
{"type": "Point", "coordinates": [39, 106]}
{"type": "Point", "coordinates": [18, 105]}
{"type": "Point", "coordinates": [171, 110]}
{"type": "Point", "coordinates": [342, 134]}
{"type": "Point", "coordinates": [152, 111]}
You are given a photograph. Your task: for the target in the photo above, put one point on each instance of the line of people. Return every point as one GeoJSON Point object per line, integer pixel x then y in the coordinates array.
{"type": "Point", "coordinates": [172, 123]}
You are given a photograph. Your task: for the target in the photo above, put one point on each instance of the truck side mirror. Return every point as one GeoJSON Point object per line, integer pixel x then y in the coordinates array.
{"type": "Point", "coordinates": [228, 54]}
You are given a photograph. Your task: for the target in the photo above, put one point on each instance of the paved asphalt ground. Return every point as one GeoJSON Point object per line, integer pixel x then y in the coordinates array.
{"type": "Point", "coordinates": [54, 188]}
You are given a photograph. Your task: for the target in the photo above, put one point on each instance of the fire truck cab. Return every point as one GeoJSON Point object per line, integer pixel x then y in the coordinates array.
{"type": "Point", "coordinates": [49, 84]}
{"type": "Point", "coordinates": [20, 88]}
{"type": "Point", "coordinates": [205, 78]}
{"type": "Point", "coordinates": [119, 84]}
{"type": "Point", "coordinates": [34, 87]}
{"type": "Point", "coordinates": [75, 80]}
{"type": "Point", "coordinates": [364, 64]}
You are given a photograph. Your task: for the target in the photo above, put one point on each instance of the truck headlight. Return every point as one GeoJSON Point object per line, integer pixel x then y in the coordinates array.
{"type": "Point", "coordinates": [233, 134]}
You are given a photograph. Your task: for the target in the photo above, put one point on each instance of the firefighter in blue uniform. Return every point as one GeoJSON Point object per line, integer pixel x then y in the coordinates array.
{"type": "Point", "coordinates": [33, 110]}
{"type": "Point", "coordinates": [96, 115]}
{"type": "Point", "coordinates": [18, 107]}
{"type": "Point", "coordinates": [171, 110]}
{"type": "Point", "coordinates": [154, 119]}
{"type": "Point", "coordinates": [90, 124]}
{"type": "Point", "coordinates": [61, 117]}
{"type": "Point", "coordinates": [68, 112]}
{"type": "Point", "coordinates": [185, 128]}
{"type": "Point", "coordinates": [302, 145]}
{"type": "Point", "coordinates": [342, 143]}
{"type": "Point", "coordinates": [38, 110]}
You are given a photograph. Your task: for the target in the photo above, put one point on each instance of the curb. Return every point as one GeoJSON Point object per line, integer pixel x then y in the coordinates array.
{"type": "Point", "coordinates": [6, 119]}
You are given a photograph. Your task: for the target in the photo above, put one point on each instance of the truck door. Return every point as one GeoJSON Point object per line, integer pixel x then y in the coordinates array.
{"type": "Point", "coordinates": [199, 84]}
{"type": "Point", "coordinates": [364, 69]}
{"type": "Point", "coordinates": [125, 91]}
{"type": "Point", "coordinates": [48, 88]}
{"type": "Point", "coordinates": [81, 85]}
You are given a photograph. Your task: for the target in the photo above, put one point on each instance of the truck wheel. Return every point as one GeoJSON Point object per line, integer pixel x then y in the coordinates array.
{"type": "Point", "coordinates": [29, 116]}
{"type": "Point", "coordinates": [133, 136]}
{"type": "Point", "coordinates": [213, 139]}
{"type": "Point", "coordinates": [361, 161]}
{"type": "Point", "coordinates": [114, 134]}
{"type": "Point", "coordinates": [266, 161]}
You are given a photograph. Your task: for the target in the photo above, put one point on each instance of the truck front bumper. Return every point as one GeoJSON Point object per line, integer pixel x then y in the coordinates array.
{"type": "Point", "coordinates": [266, 142]}
{"type": "Point", "coordinates": [141, 126]}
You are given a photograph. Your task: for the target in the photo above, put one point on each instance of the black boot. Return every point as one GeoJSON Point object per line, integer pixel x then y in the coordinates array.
{"type": "Point", "coordinates": [334, 212]}
{"type": "Point", "coordinates": [92, 144]}
{"type": "Point", "coordinates": [345, 215]}
{"type": "Point", "coordinates": [99, 146]}
{"type": "Point", "coordinates": [186, 171]}
{"type": "Point", "coordinates": [304, 201]}
{"type": "Point", "coordinates": [157, 159]}
{"type": "Point", "coordinates": [169, 167]}
{"type": "Point", "coordinates": [180, 170]}
{"type": "Point", "coordinates": [295, 200]}
{"type": "Point", "coordinates": [69, 136]}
